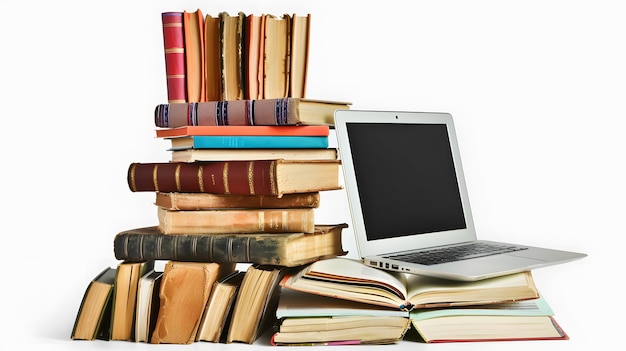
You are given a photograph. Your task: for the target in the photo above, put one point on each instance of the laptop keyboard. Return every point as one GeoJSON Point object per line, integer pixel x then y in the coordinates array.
{"type": "Point", "coordinates": [455, 253]}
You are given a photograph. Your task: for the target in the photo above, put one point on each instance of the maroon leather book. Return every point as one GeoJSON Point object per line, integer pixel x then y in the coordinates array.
{"type": "Point", "coordinates": [174, 46]}
{"type": "Point", "coordinates": [260, 177]}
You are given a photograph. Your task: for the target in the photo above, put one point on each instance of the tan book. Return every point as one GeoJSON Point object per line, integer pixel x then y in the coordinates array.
{"type": "Point", "coordinates": [231, 41]}
{"type": "Point", "coordinates": [219, 307]}
{"type": "Point", "coordinates": [125, 298]}
{"type": "Point", "coordinates": [353, 280]}
{"type": "Point", "coordinates": [256, 302]}
{"type": "Point", "coordinates": [193, 155]}
{"type": "Point", "coordinates": [276, 58]}
{"type": "Point", "coordinates": [93, 317]}
{"type": "Point", "coordinates": [212, 68]}
{"type": "Point", "coordinates": [185, 289]}
{"type": "Point", "coordinates": [249, 220]}
{"type": "Point", "coordinates": [193, 26]}
{"type": "Point", "coordinates": [300, 33]}
{"type": "Point", "coordinates": [205, 201]}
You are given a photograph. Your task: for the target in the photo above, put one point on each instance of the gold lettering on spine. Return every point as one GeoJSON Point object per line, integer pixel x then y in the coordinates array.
{"type": "Point", "coordinates": [201, 178]}
{"type": "Point", "coordinates": [225, 178]}
{"type": "Point", "coordinates": [273, 179]}
{"type": "Point", "coordinates": [155, 181]}
{"type": "Point", "coordinates": [251, 177]}
{"type": "Point", "coordinates": [261, 221]}
{"type": "Point", "coordinates": [177, 177]}
{"type": "Point", "coordinates": [133, 185]}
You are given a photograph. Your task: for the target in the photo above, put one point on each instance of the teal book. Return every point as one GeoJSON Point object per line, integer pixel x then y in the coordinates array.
{"type": "Point", "coordinates": [249, 142]}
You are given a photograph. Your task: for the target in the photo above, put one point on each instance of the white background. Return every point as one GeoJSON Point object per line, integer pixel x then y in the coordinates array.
{"type": "Point", "coordinates": [536, 87]}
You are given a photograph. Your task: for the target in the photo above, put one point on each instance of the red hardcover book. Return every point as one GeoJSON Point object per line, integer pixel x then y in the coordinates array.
{"type": "Point", "coordinates": [267, 112]}
{"type": "Point", "coordinates": [243, 130]}
{"type": "Point", "coordinates": [261, 177]}
{"type": "Point", "coordinates": [174, 46]}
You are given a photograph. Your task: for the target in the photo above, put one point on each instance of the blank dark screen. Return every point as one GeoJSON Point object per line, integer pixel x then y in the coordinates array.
{"type": "Point", "coordinates": [406, 179]}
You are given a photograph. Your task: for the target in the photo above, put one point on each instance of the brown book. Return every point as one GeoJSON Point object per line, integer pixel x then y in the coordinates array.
{"type": "Point", "coordinates": [286, 249]}
{"type": "Point", "coordinates": [93, 317]}
{"type": "Point", "coordinates": [204, 201]}
{"type": "Point", "coordinates": [231, 41]}
{"type": "Point", "coordinates": [261, 112]}
{"type": "Point", "coordinates": [212, 68]}
{"type": "Point", "coordinates": [193, 25]}
{"type": "Point", "coordinates": [254, 43]}
{"type": "Point", "coordinates": [300, 33]}
{"type": "Point", "coordinates": [185, 289]}
{"type": "Point", "coordinates": [125, 298]}
{"type": "Point", "coordinates": [277, 62]}
{"type": "Point", "coordinates": [193, 155]}
{"type": "Point", "coordinates": [219, 308]}
{"type": "Point", "coordinates": [263, 177]}
{"type": "Point", "coordinates": [256, 302]}
{"type": "Point", "coordinates": [248, 220]}
{"type": "Point", "coordinates": [353, 280]}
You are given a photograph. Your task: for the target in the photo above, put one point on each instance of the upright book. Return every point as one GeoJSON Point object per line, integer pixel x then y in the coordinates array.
{"type": "Point", "coordinates": [185, 289]}
{"type": "Point", "coordinates": [125, 298]}
{"type": "Point", "coordinates": [94, 314]}
{"type": "Point", "coordinates": [219, 308]}
{"type": "Point", "coordinates": [277, 62]}
{"type": "Point", "coordinates": [287, 249]}
{"type": "Point", "coordinates": [300, 37]}
{"type": "Point", "coordinates": [174, 47]}
{"type": "Point", "coordinates": [353, 280]}
{"type": "Point", "coordinates": [247, 220]}
{"type": "Point", "coordinates": [268, 112]}
{"type": "Point", "coordinates": [255, 305]}
{"type": "Point", "coordinates": [231, 46]}
{"type": "Point", "coordinates": [212, 66]}
{"type": "Point", "coordinates": [193, 27]}
{"type": "Point", "coordinates": [263, 177]}
{"type": "Point", "coordinates": [147, 305]}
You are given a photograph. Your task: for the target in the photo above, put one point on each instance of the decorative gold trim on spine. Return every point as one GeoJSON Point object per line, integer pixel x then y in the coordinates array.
{"type": "Point", "coordinates": [177, 177]}
{"type": "Point", "coordinates": [273, 179]}
{"type": "Point", "coordinates": [201, 178]}
{"type": "Point", "coordinates": [251, 177]}
{"type": "Point", "coordinates": [225, 178]}
{"type": "Point", "coordinates": [133, 185]}
{"type": "Point", "coordinates": [155, 182]}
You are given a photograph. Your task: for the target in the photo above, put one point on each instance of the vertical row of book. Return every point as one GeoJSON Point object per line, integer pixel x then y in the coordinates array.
{"type": "Point", "coordinates": [234, 192]}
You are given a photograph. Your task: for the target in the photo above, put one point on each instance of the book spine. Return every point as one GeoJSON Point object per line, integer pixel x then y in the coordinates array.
{"type": "Point", "coordinates": [200, 248]}
{"type": "Point", "coordinates": [178, 201]}
{"type": "Point", "coordinates": [227, 177]}
{"type": "Point", "coordinates": [259, 142]}
{"type": "Point", "coordinates": [236, 221]}
{"type": "Point", "coordinates": [262, 112]}
{"type": "Point", "coordinates": [174, 46]}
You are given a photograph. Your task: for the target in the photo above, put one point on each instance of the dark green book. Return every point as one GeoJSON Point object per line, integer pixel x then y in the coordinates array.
{"type": "Point", "coordinates": [284, 249]}
{"type": "Point", "coordinates": [94, 314]}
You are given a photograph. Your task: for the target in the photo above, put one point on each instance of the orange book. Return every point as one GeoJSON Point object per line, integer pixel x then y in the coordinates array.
{"type": "Point", "coordinates": [321, 130]}
{"type": "Point", "coordinates": [212, 69]}
{"type": "Point", "coordinates": [193, 25]}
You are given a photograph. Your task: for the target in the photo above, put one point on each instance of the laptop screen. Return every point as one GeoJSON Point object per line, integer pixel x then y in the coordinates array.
{"type": "Point", "coordinates": [406, 179]}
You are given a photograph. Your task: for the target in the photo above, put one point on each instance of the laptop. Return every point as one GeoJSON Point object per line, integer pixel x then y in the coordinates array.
{"type": "Point", "coordinates": [409, 204]}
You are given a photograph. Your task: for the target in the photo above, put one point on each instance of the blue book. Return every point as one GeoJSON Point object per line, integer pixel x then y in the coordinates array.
{"type": "Point", "coordinates": [249, 142]}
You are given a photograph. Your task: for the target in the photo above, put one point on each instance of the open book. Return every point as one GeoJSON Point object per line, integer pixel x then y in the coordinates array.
{"type": "Point", "coordinates": [350, 279]}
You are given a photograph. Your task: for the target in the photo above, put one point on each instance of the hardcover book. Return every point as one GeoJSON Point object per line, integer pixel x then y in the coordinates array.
{"type": "Point", "coordinates": [268, 112]}
{"type": "Point", "coordinates": [248, 220]}
{"type": "Point", "coordinates": [147, 305]}
{"type": "Point", "coordinates": [263, 177]}
{"type": "Point", "coordinates": [125, 298]}
{"type": "Point", "coordinates": [277, 62]}
{"type": "Point", "coordinates": [212, 65]}
{"type": "Point", "coordinates": [286, 249]}
{"type": "Point", "coordinates": [204, 201]}
{"type": "Point", "coordinates": [185, 289]}
{"type": "Point", "coordinates": [300, 36]}
{"type": "Point", "coordinates": [185, 131]}
{"type": "Point", "coordinates": [231, 46]}
{"type": "Point", "coordinates": [193, 155]}
{"type": "Point", "coordinates": [249, 142]}
{"type": "Point", "coordinates": [193, 27]}
{"type": "Point", "coordinates": [94, 314]}
{"type": "Point", "coordinates": [218, 310]}
{"type": "Point", "coordinates": [174, 47]}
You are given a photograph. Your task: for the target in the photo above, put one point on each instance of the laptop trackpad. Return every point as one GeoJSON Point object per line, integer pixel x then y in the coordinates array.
{"type": "Point", "coordinates": [509, 261]}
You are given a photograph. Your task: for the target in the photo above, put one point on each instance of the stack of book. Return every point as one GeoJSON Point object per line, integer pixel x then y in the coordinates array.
{"type": "Point", "coordinates": [242, 188]}
{"type": "Point", "coordinates": [343, 301]}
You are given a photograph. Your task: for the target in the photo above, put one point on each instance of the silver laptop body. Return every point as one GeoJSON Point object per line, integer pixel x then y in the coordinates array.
{"type": "Point", "coordinates": [406, 192]}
